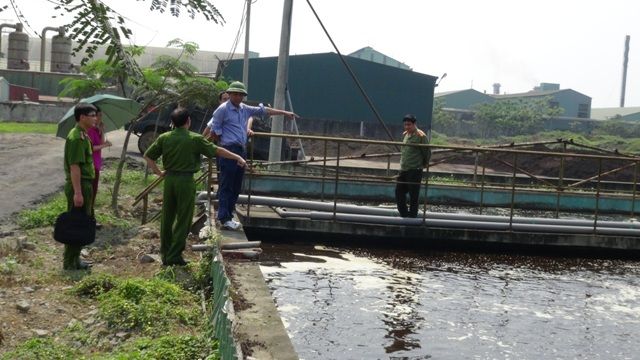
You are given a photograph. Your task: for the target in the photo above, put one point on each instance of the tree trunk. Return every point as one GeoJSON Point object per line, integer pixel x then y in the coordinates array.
{"type": "Point", "coordinates": [118, 179]}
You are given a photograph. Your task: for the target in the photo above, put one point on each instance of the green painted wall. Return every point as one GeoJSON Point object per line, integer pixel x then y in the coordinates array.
{"type": "Point", "coordinates": [321, 88]}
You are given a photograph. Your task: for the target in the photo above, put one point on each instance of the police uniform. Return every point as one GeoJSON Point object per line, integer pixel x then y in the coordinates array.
{"type": "Point", "coordinates": [180, 150]}
{"type": "Point", "coordinates": [412, 160]}
{"type": "Point", "coordinates": [78, 151]}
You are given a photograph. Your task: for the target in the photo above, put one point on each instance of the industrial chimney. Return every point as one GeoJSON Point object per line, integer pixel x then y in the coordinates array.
{"type": "Point", "coordinates": [496, 89]}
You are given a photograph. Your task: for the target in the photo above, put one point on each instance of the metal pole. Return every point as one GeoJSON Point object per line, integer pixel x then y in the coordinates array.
{"type": "Point", "coordinates": [635, 186]}
{"type": "Point", "coordinates": [245, 63]}
{"type": "Point", "coordinates": [426, 195]}
{"type": "Point", "coordinates": [513, 189]}
{"type": "Point", "coordinates": [475, 168]}
{"type": "Point", "coordinates": [595, 218]}
{"type": "Point", "coordinates": [209, 183]}
{"type": "Point", "coordinates": [484, 168]}
{"type": "Point", "coordinates": [250, 170]}
{"type": "Point", "coordinates": [277, 123]}
{"type": "Point", "coordinates": [560, 180]}
{"type": "Point", "coordinates": [335, 186]}
{"type": "Point", "coordinates": [624, 69]}
{"type": "Point", "coordinates": [324, 168]}
{"type": "Point", "coordinates": [294, 125]}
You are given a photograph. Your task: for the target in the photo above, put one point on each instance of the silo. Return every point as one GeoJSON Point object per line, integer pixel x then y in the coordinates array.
{"type": "Point", "coordinates": [18, 52]}
{"type": "Point", "coordinates": [60, 54]}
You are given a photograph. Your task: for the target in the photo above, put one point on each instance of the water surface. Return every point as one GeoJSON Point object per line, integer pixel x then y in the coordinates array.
{"type": "Point", "coordinates": [388, 304]}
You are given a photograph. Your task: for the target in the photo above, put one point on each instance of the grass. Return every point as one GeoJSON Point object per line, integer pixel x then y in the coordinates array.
{"type": "Point", "coordinates": [33, 128]}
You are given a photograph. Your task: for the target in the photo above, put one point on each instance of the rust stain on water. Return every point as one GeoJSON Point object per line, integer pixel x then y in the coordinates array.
{"type": "Point", "coordinates": [340, 303]}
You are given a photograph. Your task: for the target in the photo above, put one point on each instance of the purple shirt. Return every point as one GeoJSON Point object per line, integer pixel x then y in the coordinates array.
{"type": "Point", "coordinates": [230, 122]}
{"type": "Point", "coordinates": [96, 139]}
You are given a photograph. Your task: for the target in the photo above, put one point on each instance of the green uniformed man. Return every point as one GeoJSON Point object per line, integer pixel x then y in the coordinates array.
{"type": "Point", "coordinates": [412, 160]}
{"type": "Point", "coordinates": [180, 150]}
{"type": "Point", "coordinates": [79, 171]}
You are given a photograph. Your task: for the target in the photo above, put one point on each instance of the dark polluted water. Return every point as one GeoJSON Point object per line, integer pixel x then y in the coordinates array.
{"type": "Point", "coordinates": [340, 303]}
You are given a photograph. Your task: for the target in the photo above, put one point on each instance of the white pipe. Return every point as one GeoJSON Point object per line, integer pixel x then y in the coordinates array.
{"type": "Point", "coordinates": [372, 210]}
{"type": "Point", "coordinates": [460, 224]}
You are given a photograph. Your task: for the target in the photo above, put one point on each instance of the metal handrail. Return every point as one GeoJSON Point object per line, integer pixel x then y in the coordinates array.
{"type": "Point", "coordinates": [482, 155]}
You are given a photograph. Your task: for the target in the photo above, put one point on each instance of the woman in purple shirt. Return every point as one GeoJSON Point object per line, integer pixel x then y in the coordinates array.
{"type": "Point", "coordinates": [98, 141]}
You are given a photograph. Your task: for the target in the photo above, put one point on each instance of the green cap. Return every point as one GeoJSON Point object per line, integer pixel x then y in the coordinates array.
{"type": "Point", "coordinates": [237, 87]}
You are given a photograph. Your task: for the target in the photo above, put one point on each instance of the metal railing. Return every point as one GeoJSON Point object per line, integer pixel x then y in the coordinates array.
{"type": "Point", "coordinates": [328, 168]}
{"type": "Point", "coordinates": [206, 177]}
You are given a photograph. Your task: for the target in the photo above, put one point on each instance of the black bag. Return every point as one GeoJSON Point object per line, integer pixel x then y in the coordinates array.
{"type": "Point", "coordinates": [75, 227]}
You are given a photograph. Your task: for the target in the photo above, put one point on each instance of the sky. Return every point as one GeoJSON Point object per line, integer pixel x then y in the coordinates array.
{"type": "Point", "coordinates": [578, 44]}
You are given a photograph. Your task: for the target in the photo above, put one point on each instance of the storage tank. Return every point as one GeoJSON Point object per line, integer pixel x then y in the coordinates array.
{"type": "Point", "coordinates": [61, 54]}
{"type": "Point", "coordinates": [18, 52]}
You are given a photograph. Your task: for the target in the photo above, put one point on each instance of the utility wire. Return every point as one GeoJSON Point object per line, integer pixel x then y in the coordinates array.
{"type": "Point", "coordinates": [353, 76]}
{"type": "Point", "coordinates": [236, 41]}
{"type": "Point", "coordinates": [22, 19]}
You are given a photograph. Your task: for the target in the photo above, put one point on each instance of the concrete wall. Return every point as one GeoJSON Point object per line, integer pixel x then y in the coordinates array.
{"type": "Point", "coordinates": [30, 112]}
{"type": "Point", "coordinates": [46, 83]}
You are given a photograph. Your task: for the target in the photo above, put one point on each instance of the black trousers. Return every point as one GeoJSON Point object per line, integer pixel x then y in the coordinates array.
{"type": "Point", "coordinates": [408, 182]}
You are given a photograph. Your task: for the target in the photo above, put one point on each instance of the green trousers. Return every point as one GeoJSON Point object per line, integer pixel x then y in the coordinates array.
{"type": "Point", "coordinates": [177, 214]}
{"type": "Point", "coordinates": [71, 258]}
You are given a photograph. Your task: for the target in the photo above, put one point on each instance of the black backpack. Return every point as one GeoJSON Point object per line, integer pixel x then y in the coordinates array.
{"type": "Point", "coordinates": [75, 227]}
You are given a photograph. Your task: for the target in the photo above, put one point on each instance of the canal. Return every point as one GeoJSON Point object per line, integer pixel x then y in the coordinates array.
{"type": "Point", "coordinates": [352, 303]}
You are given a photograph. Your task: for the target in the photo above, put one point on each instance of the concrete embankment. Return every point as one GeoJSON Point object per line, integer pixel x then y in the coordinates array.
{"type": "Point", "coordinates": [247, 313]}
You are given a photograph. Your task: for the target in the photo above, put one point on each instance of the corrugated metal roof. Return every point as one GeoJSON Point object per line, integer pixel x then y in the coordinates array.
{"type": "Point", "coordinates": [445, 93]}
{"type": "Point", "coordinates": [528, 94]}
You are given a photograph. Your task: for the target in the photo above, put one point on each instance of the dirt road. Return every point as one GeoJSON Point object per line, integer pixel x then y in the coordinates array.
{"type": "Point", "coordinates": [31, 167]}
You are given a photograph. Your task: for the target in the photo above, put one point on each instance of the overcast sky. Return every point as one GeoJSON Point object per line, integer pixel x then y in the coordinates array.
{"type": "Point", "coordinates": [578, 44]}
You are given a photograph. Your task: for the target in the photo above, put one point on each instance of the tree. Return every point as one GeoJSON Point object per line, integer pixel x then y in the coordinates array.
{"type": "Point", "coordinates": [443, 122]}
{"type": "Point", "coordinates": [94, 23]}
{"type": "Point", "coordinates": [99, 75]}
{"type": "Point", "coordinates": [513, 117]}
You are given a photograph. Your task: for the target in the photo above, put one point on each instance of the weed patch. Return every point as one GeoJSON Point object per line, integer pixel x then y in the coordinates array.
{"type": "Point", "coordinates": [95, 284]}
{"type": "Point", "coordinates": [151, 306]}
{"type": "Point", "coordinates": [8, 265]}
{"type": "Point", "coordinates": [41, 349]}
{"type": "Point", "coordinates": [185, 347]}
{"type": "Point", "coordinates": [45, 214]}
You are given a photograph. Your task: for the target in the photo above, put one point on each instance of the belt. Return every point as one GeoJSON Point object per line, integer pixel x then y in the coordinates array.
{"type": "Point", "coordinates": [179, 172]}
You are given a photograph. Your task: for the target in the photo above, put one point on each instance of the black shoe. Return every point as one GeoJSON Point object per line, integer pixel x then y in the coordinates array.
{"type": "Point", "coordinates": [98, 226]}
